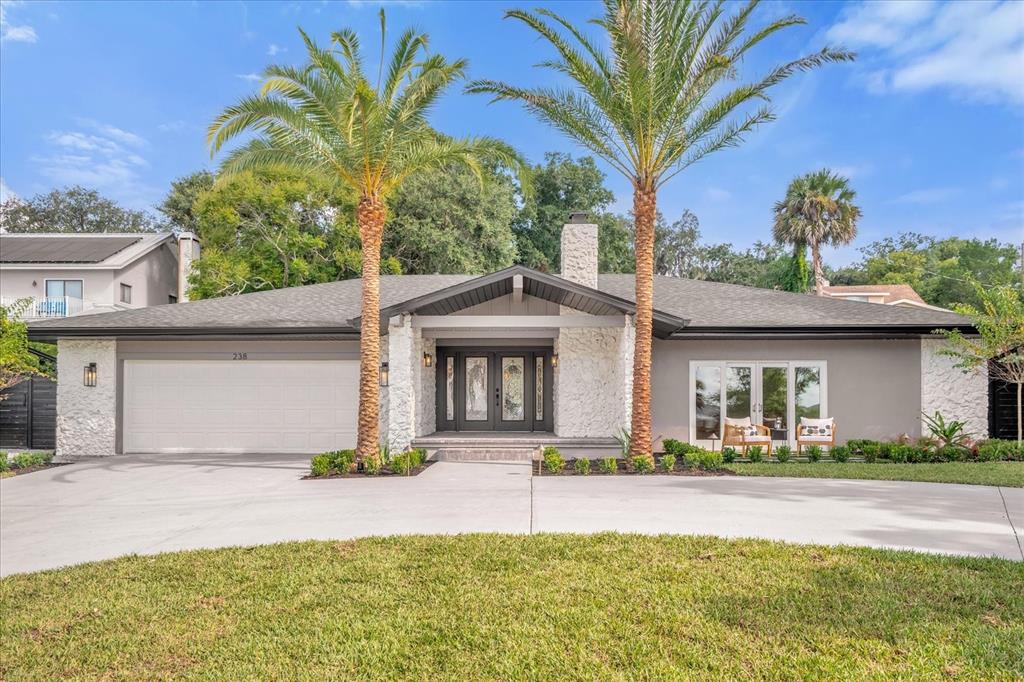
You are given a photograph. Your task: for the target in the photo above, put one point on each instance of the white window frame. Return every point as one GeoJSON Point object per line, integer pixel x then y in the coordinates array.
{"type": "Point", "coordinates": [755, 390]}
{"type": "Point", "coordinates": [46, 285]}
{"type": "Point", "coordinates": [121, 287]}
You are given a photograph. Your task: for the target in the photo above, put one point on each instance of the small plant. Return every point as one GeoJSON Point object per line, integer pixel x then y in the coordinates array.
{"type": "Point", "coordinates": [677, 447]}
{"type": "Point", "coordinates": [946, 432]}
{"type": "Point", "coordinates": [643, 464]}
{"type": "Point", "coordinates": [385, 453]}
{"type": "Point", "coordinates": [870, 452]}
{"type": "Point", "coordinates": [319, 465]}
{"type": "Point", "coordinates": [783, 453]}
{"type": "Point", "coordinates": [668, 462]}
{"type": "Point", "coordinates": [625, 438]}
{"type": "Point", "coordinates": [417, 457]}
{"type": "Point", "coordinates": [5, 465]}
{"type": "Point", "coordinates": [841, 453]}
{"type": "Point", "coordinates": [582, 466]}
{"type": "Point", "coordinates": [995, 450]}
{"type": "Point", "coordinates": [885, 450]}
{"type": "Point", "coordinates": [755, 453]}
{"type": "Point", "coordinates": [402, 463]}
{"type": "Point", "coordinates": [553, 460]}
{"type": "Point", "coordinates": [341, 460]}
{"type": "Point", "coordinates": [608, 465]}
{"type": "Point", "coordinates": [901, 453]}
{"type": "Point", "coordinates": [729, 455]}
{"type": "Point", "coordinates": [814, 453]}
{"type": "Point", "coordinates": [371, 467]}
{"type": "Point", "coordinates": [25, 460]}
{"type": "Point", "coordinates": [708, 460]}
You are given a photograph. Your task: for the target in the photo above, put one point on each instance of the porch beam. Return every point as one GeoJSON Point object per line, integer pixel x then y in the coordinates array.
{"type": "Point", "coordinates": [515, 321]}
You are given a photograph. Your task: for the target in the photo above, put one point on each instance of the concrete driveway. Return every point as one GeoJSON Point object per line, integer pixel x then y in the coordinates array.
{"type": "Point", "coordinates": [148, 504]}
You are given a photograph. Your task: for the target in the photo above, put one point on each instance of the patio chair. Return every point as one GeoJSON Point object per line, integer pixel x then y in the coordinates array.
{"type": "Point", "coordinates": [742, 433]}
{"type": "Point", "coordinates": [815, 432]}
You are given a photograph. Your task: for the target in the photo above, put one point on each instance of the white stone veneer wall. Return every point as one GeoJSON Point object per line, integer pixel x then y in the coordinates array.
{"type": "Point", "coordinates": [579, 253]}
{"type": "Point", "coordinates": [948, 390]}
{"type": "Point", "coordinates": [86, 416]}
{"type": "Point", "coordinates": [410, 410]}
{"type": "Point", "coordinates": [592, 396]}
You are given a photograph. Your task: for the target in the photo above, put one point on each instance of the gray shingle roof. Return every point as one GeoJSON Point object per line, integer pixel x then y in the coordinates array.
{"type": "Point", "coordinates": [328, 307]}
{"type": "Point", "coordinates": [62, 249]}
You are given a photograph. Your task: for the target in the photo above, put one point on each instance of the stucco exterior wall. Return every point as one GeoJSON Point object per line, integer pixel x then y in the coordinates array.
{"type": "Point", "coordinates": [86, 416]}
{"type": "Point", "coordinates": [874, 386]}
{"type": "Point", "coordinates": [948, 390]}
{"type": "Point", "coordinates": [153, 278]}
{"type": "Point", "coordinates": [97, 285]}
{"type": "Point", "coordinates": [591, 394]}
{"type": "Point", "coordinates": [579, 253]}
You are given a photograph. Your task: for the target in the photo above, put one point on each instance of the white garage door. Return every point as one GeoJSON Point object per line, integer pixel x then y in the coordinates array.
{"type": "Point", "coordinates": [239, 407]}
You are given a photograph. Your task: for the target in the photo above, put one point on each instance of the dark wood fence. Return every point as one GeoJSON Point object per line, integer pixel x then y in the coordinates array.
{"type": "Point", "coordinates": [1002, 409]}
{"type": "Point", "coordinates": [28, 415]}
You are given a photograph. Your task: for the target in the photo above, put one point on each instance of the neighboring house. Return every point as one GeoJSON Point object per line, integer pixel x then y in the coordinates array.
{"type": "Point", "coordinates": [71, 274]}
{"type": "Point", "coordinates": [886, 294]}
{"type": "Point", "coordinates": [516, 357]}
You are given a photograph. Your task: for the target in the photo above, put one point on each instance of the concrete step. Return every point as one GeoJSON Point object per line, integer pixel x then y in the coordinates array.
{"type": "Point", "coordinates": [484, 454]}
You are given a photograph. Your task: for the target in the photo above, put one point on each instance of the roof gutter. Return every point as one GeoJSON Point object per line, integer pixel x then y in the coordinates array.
{"type": "Point", "coordinates": [819, 332]}
{"type": "Point", "coordinates": [54, 333]}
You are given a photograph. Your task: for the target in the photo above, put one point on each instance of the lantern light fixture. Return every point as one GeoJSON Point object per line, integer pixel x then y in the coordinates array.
{"type": "Point", "coordinates": [89, 375]}
{"type": "Point", "coordinates": [554, 360]}
{"type": "Point", "coordinates": [428, 360]}
{"type": "Point", "coordinates": [384, 374]}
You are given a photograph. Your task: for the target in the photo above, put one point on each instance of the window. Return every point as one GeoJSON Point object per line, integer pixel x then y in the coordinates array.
{"type": "Point", "coordinates": [59, 288]}
{"type": "Point", "coordinates": [126, 293]}
{"type": "Point", "coordinates": [171, 298]}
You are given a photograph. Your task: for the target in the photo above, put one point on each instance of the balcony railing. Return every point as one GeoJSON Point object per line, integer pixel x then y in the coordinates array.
{"type": "Point", "coordinates": [41, 308]}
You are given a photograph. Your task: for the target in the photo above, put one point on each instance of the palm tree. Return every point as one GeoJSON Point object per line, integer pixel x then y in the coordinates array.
{"type": "Point", "coordinates": [818, 210]}
{"type": "Point", "coordinates": [652, 104]}
{"type": "Point", "coordinates": [327, 118]}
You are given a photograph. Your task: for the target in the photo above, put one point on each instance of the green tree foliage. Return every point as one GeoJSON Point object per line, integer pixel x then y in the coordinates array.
{"type": "Point", "coordinates": [448, 221]}
{"type": "Point", "coordinates": [72, 209]}
{"type": "Point", "coordinates": [999, 345]}
{"type": "Point", "coordinates": [797, 274]}
{"type": "Point", "coordinates": [271, 228]}
{"type": "Point", "coordinates": [942, 271]}
{"type": "Point", "coordinates": [562, 185]}
{"type": "Point", "coordinates": [16, 362]}
{"type": "Point", "coordinates": [178, 206]}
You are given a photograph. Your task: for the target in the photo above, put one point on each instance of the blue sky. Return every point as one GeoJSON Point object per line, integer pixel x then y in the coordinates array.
{"type": "Point", "coordinates": [928, 124]}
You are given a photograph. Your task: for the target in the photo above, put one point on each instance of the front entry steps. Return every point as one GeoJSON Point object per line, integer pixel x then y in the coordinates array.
{"type": "Point", "coordinates": [485, 455]}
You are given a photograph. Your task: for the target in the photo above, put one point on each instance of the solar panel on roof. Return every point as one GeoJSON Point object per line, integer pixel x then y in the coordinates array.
{"type": "Point", "coordinates": [62, 249]}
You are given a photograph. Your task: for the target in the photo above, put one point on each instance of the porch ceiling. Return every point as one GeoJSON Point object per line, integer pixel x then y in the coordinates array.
{"type": "Point", "coordinates": [535, 283]}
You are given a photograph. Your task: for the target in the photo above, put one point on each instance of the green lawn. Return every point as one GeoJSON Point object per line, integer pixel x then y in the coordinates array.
{"type": "Point", "coordinates": [1009, 474]}
{"type": "Point", "coordinates": [519, 607]}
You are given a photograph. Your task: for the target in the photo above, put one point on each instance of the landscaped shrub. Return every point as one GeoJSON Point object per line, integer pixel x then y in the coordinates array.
{"type": "Point", "coordinates": [372, 467]}
{"type": "Point", "coordinates": [582, 466]}
{"type": "Point", "coordinates": [885, 450]}
{"type": "Point", "coordinates": [668, 462]}
{"type": "Point", "coordinates": [417, 456]}
{"type": "Point", "coordinates": [869, 451]}
{"type": "Point", "coordinates": [385, 453]}
{"type": "Point", "coordinates": [783, 453]}
{"type": "Point", "coordinates": [814, 453]}
{"type": "Point", "coordinates": [857, 445]}
{"type": "Point", "coordinates": [994, 450]}
{"type": "Point", "coordinates": [677, 447]}
{"type": "Point", "coordinates": [901, 453]}
{"type": "Point", "coordinates": [553, 460]}
{"type": "Point", "coordinates": [24, 460]}
{"type": "Point", "coordinates": [319, 465]}
{"type": "Point", "coordinates": [841, 453]}
{"type": "Point", "coordinates": [402, 463]}
{"type": "Point", "coordinates": [341, 460]}
{"type": "Point", "coordinates": [4, 464]}
{"type": "Point", "coordinates": [755, 453]}
{"type": "Point", "coordinates": [608, 465]}
{"type": "Point", "coordinates": [643, 464]}
{"type": "Point", "coordinates": [729, 455]}
{"type": "Point", "coordinates": [708, 460]}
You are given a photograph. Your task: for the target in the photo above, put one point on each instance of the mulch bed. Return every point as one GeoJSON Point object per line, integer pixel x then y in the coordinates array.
{"type": "Point", "coordinates": [384, 473]}
{"type": "Point", "coordinates": [29, 470]}
{"type": "Point", "coordinates": [569, 470]}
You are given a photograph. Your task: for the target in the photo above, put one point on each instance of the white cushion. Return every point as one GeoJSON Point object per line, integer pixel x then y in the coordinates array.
{"type": "Point", "coordinates": [757, 439]}
{"type": "Point", "coordinates": [737, 421]}
{"type": "Point", "coordinates": [816, 428]}
{"type": "Point", "coordinates": [815, 439]}
{"type": "Point", "coordinates": [807, 421]}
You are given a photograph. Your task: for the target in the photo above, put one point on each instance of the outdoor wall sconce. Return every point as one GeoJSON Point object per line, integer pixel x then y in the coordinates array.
{"type": "Point", "coordinates": [428, 360]}
{"type": "Point", "coordinates": [383, 374]}
{"type": "Point", "coordinates": [89, 376]}
{"type": "Point", "coordinates": [554, 360]}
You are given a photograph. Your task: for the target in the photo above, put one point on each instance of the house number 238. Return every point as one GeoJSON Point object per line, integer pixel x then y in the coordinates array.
{"type": "Point", "coordinates": [239, 356]}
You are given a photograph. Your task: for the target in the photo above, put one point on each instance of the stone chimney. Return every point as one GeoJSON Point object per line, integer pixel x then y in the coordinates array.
{"type": "Point", "coordinates": [579, 250]}
{"type": "Point", "coordinates": [188, 251]}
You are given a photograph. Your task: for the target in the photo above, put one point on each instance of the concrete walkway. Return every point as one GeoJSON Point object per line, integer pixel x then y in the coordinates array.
{"type": "Point", "coordinates": [148, 504]}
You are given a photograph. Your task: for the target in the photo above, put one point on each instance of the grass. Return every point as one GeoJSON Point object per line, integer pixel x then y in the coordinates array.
{"type": "Point", "coordinates": [519, 607]}
{"type": "Point", "coordinates": [1008, 474]}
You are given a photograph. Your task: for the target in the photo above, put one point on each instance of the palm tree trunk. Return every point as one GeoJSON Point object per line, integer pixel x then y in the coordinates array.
{"type": "Point", "coordinates": [819, 275]}
{"type": "Point", "coordinates": [644, 212]}
{"type": "Point", "coordinates": [370, 216]}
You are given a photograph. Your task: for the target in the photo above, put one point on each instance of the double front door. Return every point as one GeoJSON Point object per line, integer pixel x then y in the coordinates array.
{"type": "Point", "coordinates": [494, 390]}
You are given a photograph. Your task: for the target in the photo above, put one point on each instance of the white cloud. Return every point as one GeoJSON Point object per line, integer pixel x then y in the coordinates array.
{"type": "Point", "coordinates": [717, 194]}
{"type": "Point", "coordinates": [931, 195]}
{"type": "Point", "coordinates": [99, 156]}
{"type": "Point", "coordinates": [251, 77]}
{"type": "Point", "coordinates": [6, 192]}
{"type": "Point", "coordinates": [9, 32]}
{"type": "Point", "coordinates": [973, 49]}
{"type": "Point", "coordinates": [273, 49]}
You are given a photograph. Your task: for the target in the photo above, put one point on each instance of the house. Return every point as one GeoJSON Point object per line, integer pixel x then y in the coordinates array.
{"type": "Point", "coordinates": [886, 294]}
{"type": "Point", "coordinates": [515, 357]}
{"type": "Point", "coordinates": [63, 275]}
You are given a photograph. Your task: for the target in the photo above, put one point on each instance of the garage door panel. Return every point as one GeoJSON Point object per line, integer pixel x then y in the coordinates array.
{"type": "Point", "coordinates": [236, 407]}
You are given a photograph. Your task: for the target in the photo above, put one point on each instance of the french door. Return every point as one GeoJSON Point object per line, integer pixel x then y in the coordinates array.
{"type": "Point", "coordinates": [775, 394]}
{"type": "Point", "coordinates": [494, 390]}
